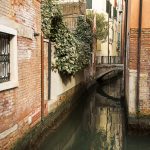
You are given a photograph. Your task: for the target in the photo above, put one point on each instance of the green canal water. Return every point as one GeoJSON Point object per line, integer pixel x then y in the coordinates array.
{"type": "Point", "coordinates": [98, 123]}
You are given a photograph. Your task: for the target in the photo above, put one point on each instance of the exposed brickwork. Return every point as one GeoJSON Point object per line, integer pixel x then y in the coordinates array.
{"type": "Point", "coordinates": [59, 111]}
{"type": "Point", "coordinates": [133, 49]}
{"type": "Point", "coordinates": [145, 72]}
{"type": "Point", "coordinates": [144, 66]}
{"type": "Point", "coordinates": [18, 104]}
{"type": "Point", "coordinates": [71, 11]}
{"type": "Point", "coordinates": [20, 108]}
{"type": "Point", "coordinates": [5, 8]}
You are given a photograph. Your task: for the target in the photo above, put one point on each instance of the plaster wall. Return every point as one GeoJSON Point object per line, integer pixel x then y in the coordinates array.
{"type": "Point", "coordinates": [60, 84]}
{"type": "Point", "coordinates": [134, 14]}
{"type": "Point", "coordinates": [146, 14]}
{"type": "Point", "coordinates": [132, 92]}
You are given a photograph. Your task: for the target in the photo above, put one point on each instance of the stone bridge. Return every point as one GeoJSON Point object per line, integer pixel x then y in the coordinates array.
{"type": "Point", "coordinates": [106, 65]}
{"type": "Point", "coordinates": [103, 69]}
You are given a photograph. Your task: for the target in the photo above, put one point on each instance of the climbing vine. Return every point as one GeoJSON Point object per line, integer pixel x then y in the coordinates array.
{"type": "Point", "coordinates": [73, 49]}
{"type": "Point", "coordinates": [83, 33]}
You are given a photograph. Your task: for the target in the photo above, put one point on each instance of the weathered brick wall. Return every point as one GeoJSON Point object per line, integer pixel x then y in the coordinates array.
{"type": "Point", "coordinates": [71, 11]}
{"type": "Point", "coordinates": [133, 49]}
{"type": "Point", "coordinates": [144, 66]}
{"type": "Point", "coordinates": [145, 72]}
{"type": "Point", "coordinates": [58, 111]}
{"type": "Point", "coordinates": [20, 107]}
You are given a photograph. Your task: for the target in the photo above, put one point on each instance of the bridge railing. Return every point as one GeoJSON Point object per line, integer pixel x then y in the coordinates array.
{"type": "Point", "coordinates": [108, 60]}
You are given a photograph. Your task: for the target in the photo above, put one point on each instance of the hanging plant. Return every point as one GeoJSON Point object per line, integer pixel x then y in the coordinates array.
{"type": "Point", "coordinates": [73, 50]}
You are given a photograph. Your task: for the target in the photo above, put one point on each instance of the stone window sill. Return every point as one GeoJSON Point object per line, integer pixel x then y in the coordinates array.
{"type": "Point", "coordinates": [8, 85]}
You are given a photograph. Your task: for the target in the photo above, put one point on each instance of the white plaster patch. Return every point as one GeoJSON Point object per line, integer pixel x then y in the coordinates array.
{"type": "Point", "coordinates": [29, 120]}
{"type": "Point", "coordinates": [132, 91]}
{"type": "Point", "coordinates": [8, 131]}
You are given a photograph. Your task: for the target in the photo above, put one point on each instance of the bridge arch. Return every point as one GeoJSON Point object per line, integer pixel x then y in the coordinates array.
{"type": "Point", "coordinates": [102, 70]}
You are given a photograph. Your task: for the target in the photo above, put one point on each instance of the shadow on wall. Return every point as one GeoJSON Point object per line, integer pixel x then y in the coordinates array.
{"type": "Point", "coordinates": [68, 78]}
{"type": "Point", "coordinates": [65, 78]}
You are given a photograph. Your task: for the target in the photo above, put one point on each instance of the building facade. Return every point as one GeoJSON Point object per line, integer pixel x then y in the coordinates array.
{"type": "Point", "coordinates": [32, 96]}
{"type": "Point", "coordinates": [20, 69]}
{"type": "Point", "coordinates": [111, 9]}
{"type": "Point", "coordinates": [137, 57]}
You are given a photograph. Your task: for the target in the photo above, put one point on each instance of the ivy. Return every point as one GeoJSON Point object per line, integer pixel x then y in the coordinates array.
{"type": "Point", "coordinates": [84, 34]}
{"type": "Point", "coordinates": [73, 49]}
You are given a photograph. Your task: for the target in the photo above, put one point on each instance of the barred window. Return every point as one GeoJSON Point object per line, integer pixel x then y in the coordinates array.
{"type": "Point", "coordinates": [8, 58]}
{"type": "Point", "coordinates": [4, 57]}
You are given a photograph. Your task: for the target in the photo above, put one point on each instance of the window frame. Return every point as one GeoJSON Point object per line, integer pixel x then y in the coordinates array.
{"type": "Point", "coordinates": [13, 82]}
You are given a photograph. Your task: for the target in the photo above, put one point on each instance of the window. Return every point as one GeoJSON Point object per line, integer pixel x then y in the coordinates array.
{"type": "Point", "coordinates": [8, 58]}
{"type": "Point", "coordinates": [108, 7]}
{"type": "Point", "coordinates": [4, 57]}
{"type": "Point", "coordinates": [89, 4]}
{"type": "Point", "coordinates": [110, 11]}
{"type": "Point", "coordinates": [115, 13]}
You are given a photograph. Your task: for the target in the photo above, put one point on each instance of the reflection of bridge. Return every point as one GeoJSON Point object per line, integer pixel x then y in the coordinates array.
{"type": "Point", "coordinates": [106, 65]}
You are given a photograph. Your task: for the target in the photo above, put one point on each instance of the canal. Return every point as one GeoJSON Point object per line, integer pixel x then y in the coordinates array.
{"type": "Point", "coordinates": [98, 123]}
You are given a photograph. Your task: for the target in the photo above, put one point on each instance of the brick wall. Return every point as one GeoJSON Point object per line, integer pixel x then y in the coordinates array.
{"type": "Point", "coordinates": [71, 11]}
{"type": "Point", "coordinates": [144, 66]}
{"type": "Point", "coordinates": [145, 72]}
{"type": "Point", "coordinates": [20, 107]}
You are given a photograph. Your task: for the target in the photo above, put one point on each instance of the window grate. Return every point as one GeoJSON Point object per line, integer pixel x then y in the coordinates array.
{"type": "Point", "coordinates": [4, 57]}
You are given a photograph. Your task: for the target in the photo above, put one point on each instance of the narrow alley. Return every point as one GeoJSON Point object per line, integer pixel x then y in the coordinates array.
{"type": "Point", "coordinates": [75, 74]}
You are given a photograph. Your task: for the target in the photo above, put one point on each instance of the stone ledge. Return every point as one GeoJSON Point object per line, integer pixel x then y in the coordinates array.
{"type": "Point", "coordinates": [8, 131]}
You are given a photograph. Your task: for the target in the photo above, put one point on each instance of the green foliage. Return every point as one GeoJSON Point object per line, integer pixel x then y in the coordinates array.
{"type": "Point", "coordinates": [72, 49]}
{"type": "Point", "coordinates": [83, 33]}
{"type": "Point", "coordinates": [101, 25]}
{"type": "Point", "coordinates": [50, 15]}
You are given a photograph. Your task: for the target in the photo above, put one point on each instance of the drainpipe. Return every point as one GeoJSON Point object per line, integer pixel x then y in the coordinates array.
{"type": "Point", "coordinates": [121, 44]}
{"type": "Point", "coordinates": [108, 31]}
{"type": "Point", "coordinates": [139, 56]}
{"type": "Point", "coordinates": [42, 77]}
{"type": "Point", "coordinates": [125, 42]}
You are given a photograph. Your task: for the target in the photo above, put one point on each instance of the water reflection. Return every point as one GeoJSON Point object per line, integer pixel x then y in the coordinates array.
{"type": "Point", "coordinates": [102, 120]}
{"type": "Point", "coordinates": [95, 125]}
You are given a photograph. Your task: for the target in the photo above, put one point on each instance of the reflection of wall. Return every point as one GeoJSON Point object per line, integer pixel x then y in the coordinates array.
{"type": "Point", "coordinates": [105, 120]}
{"type": "Point", "coordinates": [110, 124]}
